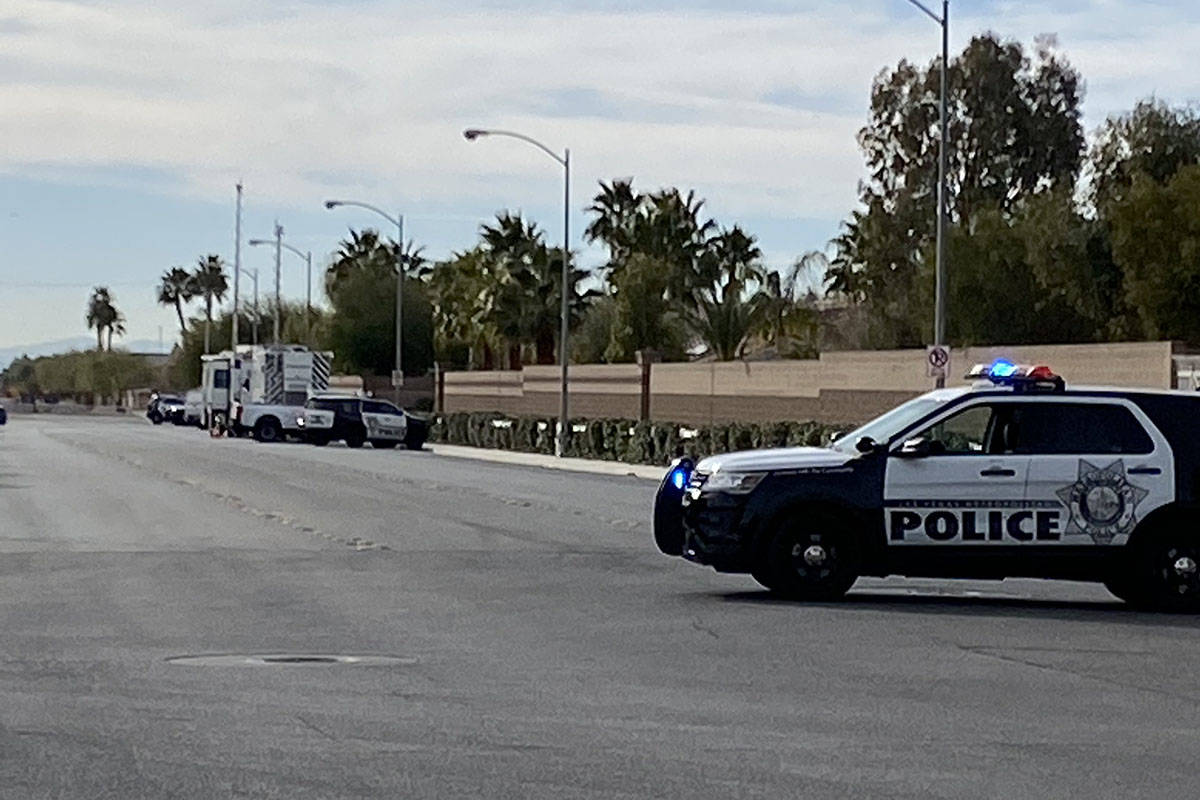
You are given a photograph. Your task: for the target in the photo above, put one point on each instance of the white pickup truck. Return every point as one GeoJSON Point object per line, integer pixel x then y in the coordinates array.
{"type": "Point", "coordinates": [267, 422]}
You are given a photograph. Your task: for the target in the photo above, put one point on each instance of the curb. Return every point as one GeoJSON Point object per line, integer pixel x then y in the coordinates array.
{"type": "Point", "coordinates": [616, 468]}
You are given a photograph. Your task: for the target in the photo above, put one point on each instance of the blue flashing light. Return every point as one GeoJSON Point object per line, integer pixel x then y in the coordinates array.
{"type": "Point", "coordinates": [1003, 369]}
{"type": "Point", "coordinates": [679, 479]}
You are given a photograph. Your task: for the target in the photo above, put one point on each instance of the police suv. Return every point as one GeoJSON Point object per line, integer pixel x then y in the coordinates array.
{"type": "Point", "coordinates": [357, 420]}
{"type": "Point", "coordinates": [1015, 476]}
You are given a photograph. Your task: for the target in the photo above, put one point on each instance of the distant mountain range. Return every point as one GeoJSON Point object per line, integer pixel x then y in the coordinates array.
{"type": "Point", "coordinates": [7, 354]}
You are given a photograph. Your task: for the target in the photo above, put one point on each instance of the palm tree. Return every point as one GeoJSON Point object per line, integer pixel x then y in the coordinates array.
{"type": "Point", "coordinates": [102, 314]}
{"type": "Point", "coordinates": [175, 288]}
{"type": "Point", "coordinates": [209, 282]}
{"type": "Point", "coordinates": [117, 325]}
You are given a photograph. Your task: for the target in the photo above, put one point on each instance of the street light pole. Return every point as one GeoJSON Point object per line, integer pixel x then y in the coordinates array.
{"type": "Point", "coordinates": [237, 264]}
{"type": "Point", "coordinates": [278, 266]}
{"type": "Point", "coordinates": [398, 221]}
{"type": "Point", "coordinates": [253, 273]}
{"type": "Point", "coordinates": [307, 256]}
{"type": "Point", "coordinates": [939, 313]}
{"type": "Point", "coordinates": [471, 134]}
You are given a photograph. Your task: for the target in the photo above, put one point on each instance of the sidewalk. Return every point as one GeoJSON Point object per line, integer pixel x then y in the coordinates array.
{"type": "Point", "coordinates": [549, 462]}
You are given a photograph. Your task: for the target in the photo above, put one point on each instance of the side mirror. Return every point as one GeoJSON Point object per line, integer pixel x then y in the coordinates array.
{"type": "Point", "coordinates": [915, 448]}
{"type": "Point", "coordinates": [866, 445]}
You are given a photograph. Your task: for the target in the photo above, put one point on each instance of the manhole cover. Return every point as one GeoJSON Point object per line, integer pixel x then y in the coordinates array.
{"type": "Point", "coordinates": [289, 659]}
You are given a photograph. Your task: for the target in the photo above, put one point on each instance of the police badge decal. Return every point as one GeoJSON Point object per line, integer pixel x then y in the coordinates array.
{"type": "Point", "coordinates": [1102, 502]}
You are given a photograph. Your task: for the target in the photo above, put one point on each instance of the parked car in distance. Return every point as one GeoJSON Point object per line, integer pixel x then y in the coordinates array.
{"type": "Point", "coordinates": [193, 407]}
{"type": "Point", "coordinates": [165, 408]}
{"type": "Point", "coordinates": [357, 420]}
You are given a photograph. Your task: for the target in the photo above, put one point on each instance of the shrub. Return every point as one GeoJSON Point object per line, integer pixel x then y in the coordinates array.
{"type": "Point", "coordinates": [624, 440]}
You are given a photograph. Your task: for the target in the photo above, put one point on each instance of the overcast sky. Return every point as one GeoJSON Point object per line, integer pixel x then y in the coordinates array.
{"type": "Point", "coordinates": [127, 124]}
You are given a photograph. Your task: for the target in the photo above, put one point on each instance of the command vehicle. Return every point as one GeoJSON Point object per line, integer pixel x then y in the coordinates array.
{"type": "Point", "coordinates": [1017, 475]}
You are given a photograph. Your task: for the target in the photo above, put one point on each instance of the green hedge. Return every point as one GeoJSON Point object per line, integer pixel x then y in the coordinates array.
{"type": "Point", "coordinates": [622, 439]}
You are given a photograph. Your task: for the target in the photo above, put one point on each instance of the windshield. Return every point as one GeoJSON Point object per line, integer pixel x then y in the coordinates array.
{"type": "Point", "coordinates": [884, 427]}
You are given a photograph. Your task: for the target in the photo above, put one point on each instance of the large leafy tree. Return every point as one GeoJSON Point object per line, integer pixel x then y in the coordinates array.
{"type": "Point", "coordinates": [210, 285]}
{"type": "Point", "coordinates": [361, 286]}
{"type": "Point", "coordinates": [1156, 241]}
{"type": "Point", "coordinates": [1014, 131]}
{"type": "Point", "coordinates": [1153, 140]}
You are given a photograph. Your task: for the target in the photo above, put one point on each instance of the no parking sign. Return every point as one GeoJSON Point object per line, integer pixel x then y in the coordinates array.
{"type": "Point", "coordinates": [937, 360]}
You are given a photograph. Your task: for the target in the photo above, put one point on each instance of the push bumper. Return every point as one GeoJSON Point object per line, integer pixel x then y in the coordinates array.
{"type": "Point", "coordinates": [699, 527]}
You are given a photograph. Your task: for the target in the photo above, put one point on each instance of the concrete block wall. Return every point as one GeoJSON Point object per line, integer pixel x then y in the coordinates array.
{"type": "Point", "coordinates": [843, 387]}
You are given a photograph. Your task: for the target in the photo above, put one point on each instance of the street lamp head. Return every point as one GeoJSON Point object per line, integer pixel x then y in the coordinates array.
{"type": "Point", "coordinates": [256, 242]}
{"type": "Point", "coordinates": [471, 134]}
{"type": "Point", "coordinates": [332, 203]}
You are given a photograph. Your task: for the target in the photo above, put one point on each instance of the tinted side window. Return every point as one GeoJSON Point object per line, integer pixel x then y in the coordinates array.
{"type": "Point", "coordinates": [323, 405]}
{"type": "Point", "coordinates": [960, 434]}
{"type": "Point", "coordinates": [348, 408]}
{"type": "Point", "coordinates": [379, 407]}
{"type": "Point", "coordinates": [1076, 429]}
{"type": "Point", "coordinates": [221, 379]}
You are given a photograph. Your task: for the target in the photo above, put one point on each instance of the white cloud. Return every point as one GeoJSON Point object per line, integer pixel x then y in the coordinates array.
{"type": "Point", "coordinates": [309, 100]}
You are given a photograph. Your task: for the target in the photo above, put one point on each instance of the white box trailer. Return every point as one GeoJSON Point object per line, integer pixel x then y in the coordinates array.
{"type": "Point", "coordinates": [273, 375]}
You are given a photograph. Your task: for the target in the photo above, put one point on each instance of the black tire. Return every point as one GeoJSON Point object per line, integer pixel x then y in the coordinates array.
{"type": "Point", "coordinates": [384, 444]}
{"type": "Point", "coordinates": [320, 440]}
{"type": "Point", "coordinates": [1167, 572]}
{"type": "Point", "coordinates": [812, 556]}
{"type": "Point", "coordinates": [1124, 589]}
{"type": "Point", "coordinates": [764, 575]}
{"type": "Point", "coordinates": [156, 418]}
{"type": "Point", "coordinates": [354, 441]}
{"type": "Point", "coordinates": [415, 434]}
{"type": "Point", "coordinates": [268, 430]}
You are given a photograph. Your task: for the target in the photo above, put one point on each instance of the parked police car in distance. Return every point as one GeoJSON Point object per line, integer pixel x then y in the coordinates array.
{"type": "Point", "coordinates": [1015, 476]}
{"type": "Point", "coordinates": [356, 420]}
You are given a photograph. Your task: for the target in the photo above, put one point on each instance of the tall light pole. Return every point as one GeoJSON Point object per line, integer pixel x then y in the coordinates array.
{"type": "Point", "coordinates": [307, 256]}
{"type": "Point", "coordinates": [253, 273]}
{"type": "Point", "coordinates": [237, 264]}
{"type": "Point", "coordinates": [471, 134]}
{"type": "Point", "coordinates": [398, 221]}
{"type": "Point", "coordinates": [939, 313]}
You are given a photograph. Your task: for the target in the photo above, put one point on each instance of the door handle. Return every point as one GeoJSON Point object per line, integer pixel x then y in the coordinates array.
{"type": "Point", "coordinates": [1144, 471]}
{"type": "Point", "coordinates": [998, 472]}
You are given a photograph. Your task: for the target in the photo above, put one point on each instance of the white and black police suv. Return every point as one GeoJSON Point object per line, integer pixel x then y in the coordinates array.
{"type": "Point", "coordinates": [1015, 476]}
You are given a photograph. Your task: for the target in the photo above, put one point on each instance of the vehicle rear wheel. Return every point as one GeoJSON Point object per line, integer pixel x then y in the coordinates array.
{"type": "Point", "coordinates": [1168, 572]}
{"type": "Point", "coordinates": [318, 439]}
{"type": "Point", "coordinates": [414, 440]}
{"type": "Point", "coordinates": [354, 441]}
{"type": "Point", "coordinates": [812, 557]}
{"type": "Point", "coordinates": [268, 430]}
{"type": "Point", "coordinates": [383, 444]}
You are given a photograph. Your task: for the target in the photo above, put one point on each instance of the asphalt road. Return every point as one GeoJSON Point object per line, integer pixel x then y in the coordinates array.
{"type": "Point", "coordinates": [547, 650]}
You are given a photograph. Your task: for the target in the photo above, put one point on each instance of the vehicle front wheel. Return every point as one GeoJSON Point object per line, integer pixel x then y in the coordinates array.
{"type": "Point", "coordinates": [268, 430]}
{"type": "Point", "coordinates": [156, 418]}
{"type": "Point", "coordinates": [318, 439]}
{"type": "Point", "coordinates": [1168, 573]}
{"type": "Point", "coordinates": [812, 557]}
{"type": "Point", "coordinates": [354, 442]}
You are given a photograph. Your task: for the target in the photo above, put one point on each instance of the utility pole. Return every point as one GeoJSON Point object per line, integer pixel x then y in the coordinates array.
{"type": "Point", "coordinates": [237, 264]}
{"type": "Point", "coordinates": [278, 260]}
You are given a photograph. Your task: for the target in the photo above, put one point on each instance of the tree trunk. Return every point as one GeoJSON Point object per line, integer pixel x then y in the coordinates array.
{"type": "Point", "coordinates": [179, 311]}
{"type": "Point", "coordinates": [110, 332]}
{"type": "Point", "coordinates": [207, 321]}
{"type": "Point", "coordinates": [100, 338]}
{"type": "Point", "coordinates": [545, 346]}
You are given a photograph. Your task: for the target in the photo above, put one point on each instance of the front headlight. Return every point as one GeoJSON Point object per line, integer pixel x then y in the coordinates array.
{"type": "Point", "coordinates": [732, 482]}
{"type": "Point", "coordinates": [299, 422]}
